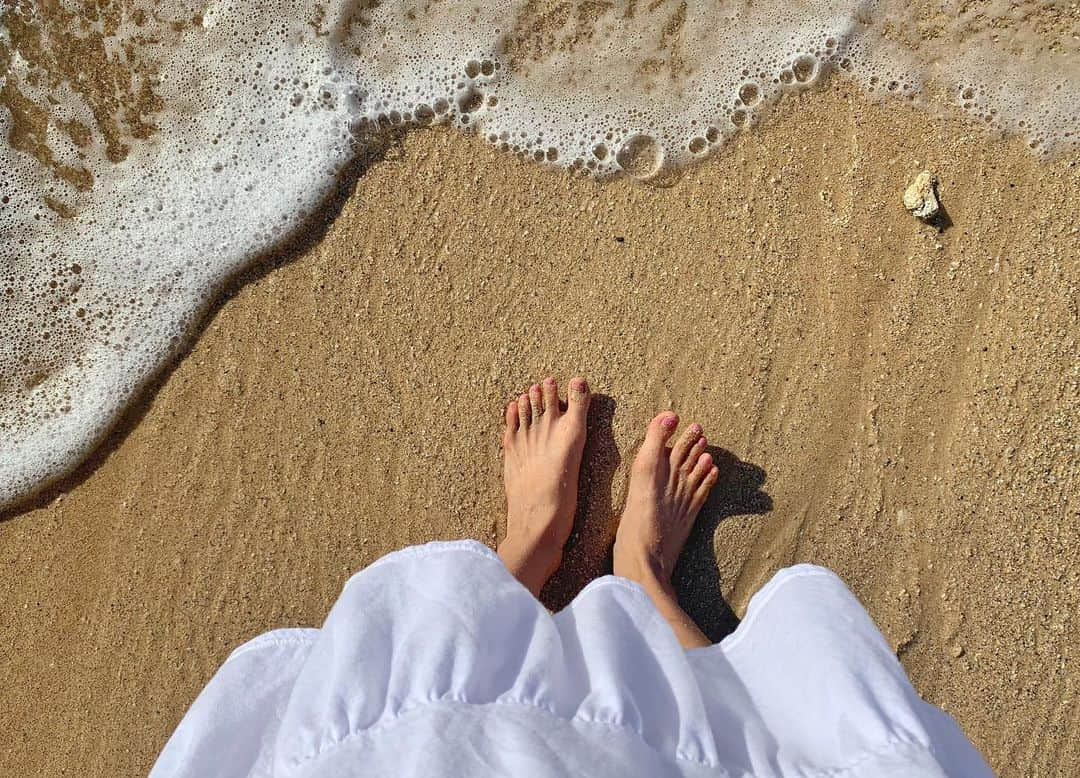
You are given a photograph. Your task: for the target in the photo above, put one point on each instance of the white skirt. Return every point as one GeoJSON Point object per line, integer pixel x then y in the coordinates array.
{"type": "Point", "coordinates": [435, 661]}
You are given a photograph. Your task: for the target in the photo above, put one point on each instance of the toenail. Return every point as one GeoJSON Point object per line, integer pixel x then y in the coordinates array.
{"type": "Point", "coordinates": [549, 381]}
{"type": "Point", "coordinates": [579, 385]}
{"type": "Point", "coordinates": [696, 429]}
{"type": "Point", "coordinates": [670, 422]}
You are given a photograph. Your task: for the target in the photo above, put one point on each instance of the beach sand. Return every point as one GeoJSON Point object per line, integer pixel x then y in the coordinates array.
{"type": "Point", "coordinates": [893, 402]}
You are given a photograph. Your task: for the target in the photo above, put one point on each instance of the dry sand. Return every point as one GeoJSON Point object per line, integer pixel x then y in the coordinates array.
{"type": "Point", "coordinates": [898, 404]}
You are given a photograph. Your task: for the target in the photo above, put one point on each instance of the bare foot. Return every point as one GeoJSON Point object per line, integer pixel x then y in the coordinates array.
{"type": "Point", "coordinates": [667, 488]}
{"type": "Point", "coordinates": [542, 449]}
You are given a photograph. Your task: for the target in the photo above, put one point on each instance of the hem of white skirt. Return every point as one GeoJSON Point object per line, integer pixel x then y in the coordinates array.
{"type": "Point", "coordinates": [277, 638]}
{"type": "Point", "coordinates": [757, 602]}
{"type": "Point", "coordinates": [303, 636]}
{"type": "Point", "coordinates": [763, 596]}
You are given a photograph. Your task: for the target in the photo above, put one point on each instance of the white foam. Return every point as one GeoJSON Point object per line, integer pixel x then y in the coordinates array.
{"type": "Point", "coordinates": [117, 228]}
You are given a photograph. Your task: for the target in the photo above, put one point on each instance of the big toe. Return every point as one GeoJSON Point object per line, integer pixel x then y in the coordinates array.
{"type": "Point", "coordinates": [577, 399]}
{"type": "Point", "coordinates": [660, 430]}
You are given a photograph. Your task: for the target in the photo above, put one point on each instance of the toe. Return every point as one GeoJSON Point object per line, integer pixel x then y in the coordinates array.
{"type": "Point", "coordinates": [697, 476]}
{"type": "Point", "coordinates": [702, 492]}
{"type": "Point", "coordinates": [660, 431]}
{"type": "Point", "coordinates": [577, 399]}
{"type": "Point", "coordinates": [511, 418]}
{"type": "Point", "coordinates": [524, 411]}
{"type": "Point", "coordinates": [691, 459]}
{"type": "Point", "coordinates": [686, 442]}
{"type": "Point", "coordinates": [550, 391]}
{"type": "Point", "coordinates": [536, 402]}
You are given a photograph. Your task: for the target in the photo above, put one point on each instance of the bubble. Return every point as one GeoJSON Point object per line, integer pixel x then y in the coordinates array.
{"type": "Point", "coordinates": [698, 145]}
{"type": "Point", "coordinates": [470, 101]}
{"type": "Point", "coordinates": [640, 156]}
{"type": "Point", "coordinates": [805, 68]}
{"type": "Point", "coordinates": [749, 94]}
{"type": "Point", "coordinates": [425, 114]}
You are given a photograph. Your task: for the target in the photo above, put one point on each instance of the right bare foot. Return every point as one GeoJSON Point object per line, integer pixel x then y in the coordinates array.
{"type": "Point", "coordinates": [667, 488]}
{"type": "Point", "coordinates": [542, 448]}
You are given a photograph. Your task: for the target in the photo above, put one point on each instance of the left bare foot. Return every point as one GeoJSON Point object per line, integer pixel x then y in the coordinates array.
{"type": "Point", "coordinates": [542, 457]}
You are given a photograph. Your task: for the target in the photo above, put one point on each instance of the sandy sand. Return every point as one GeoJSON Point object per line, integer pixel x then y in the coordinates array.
{"type": "Point", "coordinates": [898, 404]}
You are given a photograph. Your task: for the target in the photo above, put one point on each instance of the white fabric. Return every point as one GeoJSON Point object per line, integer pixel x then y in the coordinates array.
{"type": "Point", "coordinates": [436, 662]}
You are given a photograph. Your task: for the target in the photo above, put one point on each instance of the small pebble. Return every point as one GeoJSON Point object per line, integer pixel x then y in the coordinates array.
{"type": "Point", "coordinates": [920, 198]}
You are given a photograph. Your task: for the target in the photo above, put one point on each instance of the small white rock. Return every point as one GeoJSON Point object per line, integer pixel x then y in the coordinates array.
{"type": "Point", "coordinates": [921, 197]}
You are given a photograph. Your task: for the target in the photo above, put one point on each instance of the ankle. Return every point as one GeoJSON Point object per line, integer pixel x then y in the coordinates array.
{"type": "Point", "coordinates": [532, 557]}
{"type": "Point", "coordinates": [542, 541]}
{"type": "Point", "coordinates": [644, 566]}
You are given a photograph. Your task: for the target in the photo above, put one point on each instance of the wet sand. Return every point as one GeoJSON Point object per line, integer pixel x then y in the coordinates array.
{"type": "Point", "coordinates": [897, 403]}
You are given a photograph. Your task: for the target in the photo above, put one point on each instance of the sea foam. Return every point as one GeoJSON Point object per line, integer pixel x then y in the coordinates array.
{"type": "Point", "coordinates": [153, 149]}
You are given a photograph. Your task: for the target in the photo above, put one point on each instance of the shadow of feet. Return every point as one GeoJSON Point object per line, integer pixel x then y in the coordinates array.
{"type": "Point", "coordinates": [588, 551]}
{"type": "Point", "coordinates": [697, 575]}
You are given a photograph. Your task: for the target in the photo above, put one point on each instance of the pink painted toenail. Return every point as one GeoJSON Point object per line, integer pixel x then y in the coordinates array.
{"type": "Point", "coordinates": [579, 385]}
{"type": "Point", "coordinates": [670, 422]}
{"type": "Point", "coordinates": [696, 429]}
{"type": "Point", "coordinates": [549, 381]}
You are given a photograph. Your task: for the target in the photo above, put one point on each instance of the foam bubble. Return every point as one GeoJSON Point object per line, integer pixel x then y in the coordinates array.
{"type": "Point", "coordinates": [153, 149]}
{"type": "Point", "coordinates": [640, 156]}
